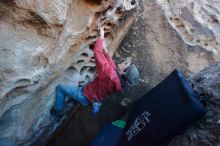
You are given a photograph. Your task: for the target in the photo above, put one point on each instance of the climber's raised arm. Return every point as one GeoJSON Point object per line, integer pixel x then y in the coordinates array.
{"type": "Point", "coordinates": [100, 57]}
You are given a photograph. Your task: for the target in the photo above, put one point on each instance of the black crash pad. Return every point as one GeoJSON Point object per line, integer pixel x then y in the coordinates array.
{"type": "Point", "coordinates": [162, 113]}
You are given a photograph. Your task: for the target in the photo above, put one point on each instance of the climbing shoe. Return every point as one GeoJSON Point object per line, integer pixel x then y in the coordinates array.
{"type": "Point", "coordinates": [96, 107]}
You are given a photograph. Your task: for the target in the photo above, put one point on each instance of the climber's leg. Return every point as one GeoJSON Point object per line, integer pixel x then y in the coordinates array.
{"type": "Point", "coordinates": [61, 92]}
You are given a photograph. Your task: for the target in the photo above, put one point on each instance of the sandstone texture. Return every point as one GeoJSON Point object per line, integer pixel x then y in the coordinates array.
{"type": "Point", "coordinates": [43, 43]}
{"type": "Point", "coordinates": [197, 22]}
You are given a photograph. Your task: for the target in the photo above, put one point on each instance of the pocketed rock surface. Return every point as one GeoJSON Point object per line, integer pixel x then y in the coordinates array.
{"type": "Point", "coordinates": [43, 43]}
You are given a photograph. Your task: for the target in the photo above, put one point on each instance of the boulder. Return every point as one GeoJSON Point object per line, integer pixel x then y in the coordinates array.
{"type": "Point", "coordinates": [43, 43]}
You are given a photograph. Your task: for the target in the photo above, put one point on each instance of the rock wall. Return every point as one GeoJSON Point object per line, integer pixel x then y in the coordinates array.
{"type": "Point", "coordinates": [46, 42]}
{"type": "Point", "coordinates": [43, 43]}
{"type": "Point", "coordinates": [197, 22]}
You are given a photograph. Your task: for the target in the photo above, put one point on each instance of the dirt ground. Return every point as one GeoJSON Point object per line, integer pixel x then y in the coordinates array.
{"type": "Point", "coordinates": [157, 50]}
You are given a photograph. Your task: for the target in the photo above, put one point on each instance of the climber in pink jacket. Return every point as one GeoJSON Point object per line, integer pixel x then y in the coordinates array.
{"type": "Point", "coordinates": [109, 79]}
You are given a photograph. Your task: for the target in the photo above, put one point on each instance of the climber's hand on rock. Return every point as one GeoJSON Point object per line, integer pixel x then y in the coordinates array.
{"type": "Point", "coordinates": [101, 32]}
